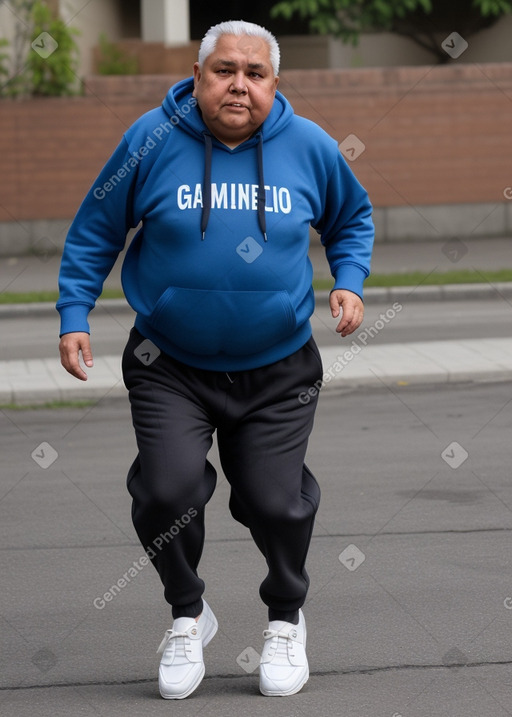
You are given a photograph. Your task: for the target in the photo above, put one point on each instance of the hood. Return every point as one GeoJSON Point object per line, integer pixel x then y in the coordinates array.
{"type": "Point", "coordinates": [179, 106]}
{"type": "Point", "coordinates": [177, 103]}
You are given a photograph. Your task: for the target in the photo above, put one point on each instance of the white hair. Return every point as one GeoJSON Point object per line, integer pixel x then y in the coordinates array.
{"type": "Point", "coordinates": [239, 28]}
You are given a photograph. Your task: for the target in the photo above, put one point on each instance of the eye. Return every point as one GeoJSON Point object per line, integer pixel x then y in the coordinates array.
{"type": "Point", "coordinates": [255, 74]}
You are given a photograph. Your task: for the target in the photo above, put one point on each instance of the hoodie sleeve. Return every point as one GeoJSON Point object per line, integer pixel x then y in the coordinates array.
{"type": "Point", "coordinates": [346, 228]}
{"type": "Point", "coordinates": [95, 238]}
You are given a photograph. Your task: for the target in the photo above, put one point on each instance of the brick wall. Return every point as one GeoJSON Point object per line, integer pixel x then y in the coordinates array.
{"type": "Point", "coordinates": [433, 135]}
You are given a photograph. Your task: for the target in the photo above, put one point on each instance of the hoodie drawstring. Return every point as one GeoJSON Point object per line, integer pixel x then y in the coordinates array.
{"type": "Point", "coordinates": [262, 220]}
{"type": "Point", "coordinates": [207, 186]}
{"type": "Point", "coordinates": [207, 183]}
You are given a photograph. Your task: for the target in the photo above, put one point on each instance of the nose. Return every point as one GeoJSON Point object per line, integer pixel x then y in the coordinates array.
{"type": "Point", "coordinates": [238, 85]}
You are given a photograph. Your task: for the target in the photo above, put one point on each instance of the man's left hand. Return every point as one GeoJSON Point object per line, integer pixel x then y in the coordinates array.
{"type": "Point", "coordinates": [352, 310]}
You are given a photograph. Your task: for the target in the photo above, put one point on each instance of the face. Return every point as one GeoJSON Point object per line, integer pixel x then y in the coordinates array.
{"type": "Point", "coordinates": [235, 88]}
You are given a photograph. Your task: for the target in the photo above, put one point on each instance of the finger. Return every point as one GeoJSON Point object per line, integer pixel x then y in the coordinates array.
{"type": "Point", "coordinates": [335, 302]}
{"type": "Point", "coordinates": [352, 319]}
{"type": "Point", "coordinates": [348, 310]}
{"type": "Point", "coordinates": [350, 328]}
{"type": "Point", "coordinates": [87, 353]}
{"type": "Point", "coordinates": [70, 347]}
{"type": "Point", "coordinates": [70, 361]}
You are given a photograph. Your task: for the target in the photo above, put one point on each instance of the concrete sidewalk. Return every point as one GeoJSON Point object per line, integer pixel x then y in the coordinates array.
{"type": "Point", "coordinates": [37, 381]}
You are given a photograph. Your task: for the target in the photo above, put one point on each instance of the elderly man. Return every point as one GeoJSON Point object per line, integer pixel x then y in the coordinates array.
{"type": "Point", "coordinates": [225, 181]}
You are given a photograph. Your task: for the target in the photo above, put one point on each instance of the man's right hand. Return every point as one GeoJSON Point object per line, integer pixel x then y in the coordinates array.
{"type": "Point", "coordinates": [70, 347]}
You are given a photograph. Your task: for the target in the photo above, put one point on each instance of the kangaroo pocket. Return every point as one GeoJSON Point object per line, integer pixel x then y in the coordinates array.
{"type": "Point", "coordinates": [237, 323]}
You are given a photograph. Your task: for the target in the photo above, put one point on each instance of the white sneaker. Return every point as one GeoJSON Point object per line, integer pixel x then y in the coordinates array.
{"type": "Point", "coordinates": [182, 666]}
{"type": "Point", "coordinates": [284, 666]}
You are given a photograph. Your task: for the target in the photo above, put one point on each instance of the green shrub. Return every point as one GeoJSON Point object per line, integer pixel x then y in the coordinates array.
{"type": "Point", "coordinates": [115, 61]}
{"type": "Point", "coordinates": [55, 74]}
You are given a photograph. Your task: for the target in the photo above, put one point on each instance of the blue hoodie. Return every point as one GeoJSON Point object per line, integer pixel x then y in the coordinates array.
{"type": "Point", "coordinates": [218, 273]}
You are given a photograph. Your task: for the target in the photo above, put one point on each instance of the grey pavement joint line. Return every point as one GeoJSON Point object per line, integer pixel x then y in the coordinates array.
{"type": "Point", "coordinates": [364, 670]}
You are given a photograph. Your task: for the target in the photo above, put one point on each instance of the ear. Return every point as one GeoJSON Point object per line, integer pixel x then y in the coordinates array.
{"type": "Point", "coordinates": [197, 76]}
{"type": "Point", "coordinates": [276, 82]}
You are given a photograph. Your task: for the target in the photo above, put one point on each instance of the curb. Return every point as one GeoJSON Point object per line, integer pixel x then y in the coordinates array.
{"type": "Point", "coordinates": [37, 381]}
{"type": "Point", "coordinates": [372, 295]}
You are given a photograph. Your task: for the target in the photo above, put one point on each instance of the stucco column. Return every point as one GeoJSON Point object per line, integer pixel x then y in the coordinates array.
{"type": "Point", "coordinates": [165, 21]}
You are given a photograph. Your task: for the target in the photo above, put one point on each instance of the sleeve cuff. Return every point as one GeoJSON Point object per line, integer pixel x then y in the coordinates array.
{"type": "Point", "coordinates": [73, 317]}
{"type": "Point", "coordinates": [351, 278]}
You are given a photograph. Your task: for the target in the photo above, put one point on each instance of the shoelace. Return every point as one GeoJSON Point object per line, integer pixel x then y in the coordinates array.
{"type": "Point", "coordinates": [281, 643]}
{"type": "Point", "coordinates": [171, 635]}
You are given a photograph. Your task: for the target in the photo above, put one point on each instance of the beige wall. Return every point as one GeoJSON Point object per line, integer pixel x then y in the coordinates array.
{"type": "Point", "coordinates": [378, 49]}
{"type": "Point", "coordinates": [387, 50]}
{"type": "Point", "coordinates": [91, 19]}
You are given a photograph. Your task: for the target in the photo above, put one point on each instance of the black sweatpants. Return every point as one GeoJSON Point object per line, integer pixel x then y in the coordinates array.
{"type": "Point", "coordinates": [262, 433]}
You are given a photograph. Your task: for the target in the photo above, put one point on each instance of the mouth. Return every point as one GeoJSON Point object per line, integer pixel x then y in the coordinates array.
{"type": "Point", "coordinates": [237, 105]}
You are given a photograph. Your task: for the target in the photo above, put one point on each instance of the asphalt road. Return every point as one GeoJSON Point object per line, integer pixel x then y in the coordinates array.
{"type": "Point", "coordinates": [413, 620]}
{"type": "Point", "coordinates": [37, 337]}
